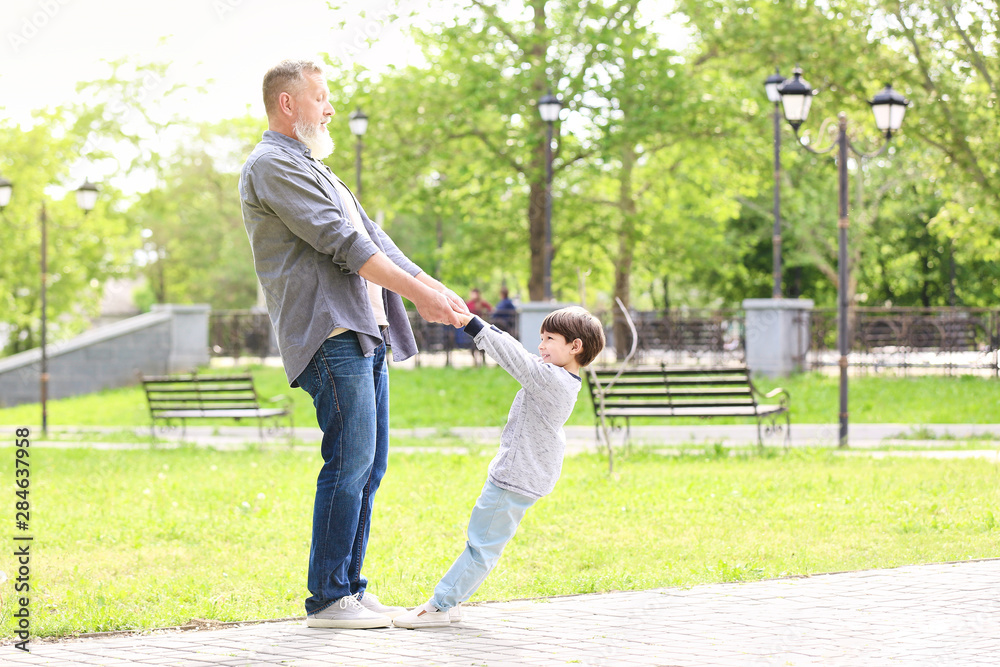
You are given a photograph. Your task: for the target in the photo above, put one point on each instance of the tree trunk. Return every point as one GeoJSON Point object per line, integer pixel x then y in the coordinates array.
{"type": "Point", "coordinates": [626, 242]}
{"type": "Point", "coordinates": [536, 171]}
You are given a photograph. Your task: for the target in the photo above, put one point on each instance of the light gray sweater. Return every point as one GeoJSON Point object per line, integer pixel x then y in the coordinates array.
{"type": "Point", "coordinates": [532, 443]}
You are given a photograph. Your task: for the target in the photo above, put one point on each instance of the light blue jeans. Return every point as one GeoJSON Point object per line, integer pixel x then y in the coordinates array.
{"type": "Point", "coordinates": [493, 523]}
{"type": "Point", "coordinates": [351, 395]}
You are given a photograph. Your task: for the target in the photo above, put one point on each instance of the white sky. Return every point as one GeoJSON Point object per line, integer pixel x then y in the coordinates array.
{"type": "Point", "coordinates": [225, 46]}
{"type": "Point", "coordinates": [47, 46]}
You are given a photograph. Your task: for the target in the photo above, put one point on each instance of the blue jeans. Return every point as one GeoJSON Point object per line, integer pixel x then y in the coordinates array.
{"type": "Point", "coordinates": [351, 395]}
{"type": "Point", "coordinates": [493, 523]}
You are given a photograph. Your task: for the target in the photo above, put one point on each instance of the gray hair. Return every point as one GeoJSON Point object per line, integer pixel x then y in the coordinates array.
{"type": "Point", "coordinates": [288, 76]}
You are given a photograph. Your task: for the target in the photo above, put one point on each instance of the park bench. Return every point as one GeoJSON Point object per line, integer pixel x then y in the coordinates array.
{"type": "Point", "coordinates": [686, 391]}
{"type": "Point", "coordinates": [194, 396]}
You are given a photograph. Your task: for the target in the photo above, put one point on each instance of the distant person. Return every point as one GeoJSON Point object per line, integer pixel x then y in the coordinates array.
{"type": "Point", "coordinates": [477, 305]}
{"type": "Point", "coordinates": [505, 313]}
{"type": "Point", "coordinates": [332, 280]}
{"type": "Point", "coordinates": [532, 446]}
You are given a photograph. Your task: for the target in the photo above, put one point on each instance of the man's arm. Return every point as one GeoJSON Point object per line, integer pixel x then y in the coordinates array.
{"type": "Point", "coordinates": [397, 257]}
{"type": "Point", "coordinates": [433, 305]}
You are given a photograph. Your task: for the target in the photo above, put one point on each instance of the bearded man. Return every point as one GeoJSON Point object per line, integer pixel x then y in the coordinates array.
{"type": "Point", "coordinates": [332, 280]}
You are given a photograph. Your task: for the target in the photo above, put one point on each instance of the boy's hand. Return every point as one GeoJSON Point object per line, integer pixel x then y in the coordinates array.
{"type": "Point", "coordinates": [464, 318]}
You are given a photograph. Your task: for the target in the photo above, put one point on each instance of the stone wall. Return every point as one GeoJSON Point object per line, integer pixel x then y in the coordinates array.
{"type": "Point", "coordinates": [170, 339]}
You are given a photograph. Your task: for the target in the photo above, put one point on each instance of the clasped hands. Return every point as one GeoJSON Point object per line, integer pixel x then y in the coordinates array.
{"type": "Point", "coordinates": [458, 308]}
{"type": "Point", "coordinates": [442, 306]}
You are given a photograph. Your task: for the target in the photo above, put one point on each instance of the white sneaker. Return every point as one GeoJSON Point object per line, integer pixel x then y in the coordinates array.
{"type": "Point", "coordinates": [347, 613]}
{"type": "Point", "coordinates": [424, 616]}
{"type": "Point", "coordinates": [371, 603]}
{"type": "Point", "coordinates": [455, 613]}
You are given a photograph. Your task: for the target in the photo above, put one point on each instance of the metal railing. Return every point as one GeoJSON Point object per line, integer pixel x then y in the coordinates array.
{"type": "Point", "coordinates": [942, 339]}
{"type": "Point", "coordinates": [240, 333]}
{"type": "Point", "coordinates": [442, 338]}
{"type": "Point", "coordinates": [689, 336]}
{"type": "Point", "coordinates": [948, 339]}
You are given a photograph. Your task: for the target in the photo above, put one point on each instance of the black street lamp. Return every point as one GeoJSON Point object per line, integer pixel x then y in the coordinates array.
{"type": "Point", "coordinates": [548, 108]}
{"type": "Point", "coordinates": [358, 122]}
{"type": "Point", "coordinates": [771, 88]}
{"type": "Point", "coordinates": [6, 189]}
{"type": "Point", "coordinates": [86, 198]}
{"type": "Point", "coordinates": [888, 108]}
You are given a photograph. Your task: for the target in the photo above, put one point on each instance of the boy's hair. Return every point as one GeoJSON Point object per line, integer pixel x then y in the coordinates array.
{"type": "Point", "coordinates": [575, 322]}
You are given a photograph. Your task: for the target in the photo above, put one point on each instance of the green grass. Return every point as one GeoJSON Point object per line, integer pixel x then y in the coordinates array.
{"type": "Point", "coordinates": [152, 538]}
{"type": "Point", "coordinates": [927, 399]}
{"type": "Point", "coordinates": [444, 397]}
{"type": "Point", "coordinates": [946, 438]}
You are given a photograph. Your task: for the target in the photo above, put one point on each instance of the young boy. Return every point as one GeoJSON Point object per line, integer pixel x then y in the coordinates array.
{"type": "Point", "coordinates": [531, 448]}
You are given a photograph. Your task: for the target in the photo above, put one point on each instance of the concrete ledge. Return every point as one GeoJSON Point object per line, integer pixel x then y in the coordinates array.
{"type": "Point", "coordinates": [170, 339]}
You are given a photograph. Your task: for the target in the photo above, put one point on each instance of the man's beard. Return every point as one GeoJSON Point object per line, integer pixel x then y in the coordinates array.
{"type": "Point", "coordinates": [316, 137]}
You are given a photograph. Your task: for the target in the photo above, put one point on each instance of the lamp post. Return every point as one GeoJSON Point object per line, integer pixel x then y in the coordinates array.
{"type": "Point", "coordinates": [86, 198]}
{"type": "Point", "coordinates": [548, 108]}
{"type": "Point", "coordinates": [358, 122]}
{"type": "Point", "coordinates": [6, 188]}
{"type": "Point", "coordinates": [888, 107]}
{"type": "Point", "coordinates": [771, 88]}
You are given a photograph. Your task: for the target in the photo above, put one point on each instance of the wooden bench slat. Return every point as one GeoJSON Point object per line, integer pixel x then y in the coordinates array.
{"type": "Point", "coordinates": [668, 410]}
{"type": "Point", "coordinates": [664, 391]}
{"type": "Point", "coordinates": [233, 413]}
{"type": "Point", "coordinates": [186, 389]}
{"type": "Point", "coordinates": [211, 398]}
{"type": "Point", "coordinates": [686, 391]}
{"type": "Point", "coordinates": [187, 377]}
{"type": "Point", "coordinates": [612, 403]}
{"type": "Point", "coordinates": [193, 396]}
{"type": "Point", "coordinates": [206, 407]}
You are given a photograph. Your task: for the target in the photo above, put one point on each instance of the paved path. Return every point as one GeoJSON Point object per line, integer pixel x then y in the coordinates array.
{"type": "Point", "coordinates": [578, 438]}
{"type": "Point", "coordinates": [933, 615]}
{"type": "Point", "coordinates": [927, 615]}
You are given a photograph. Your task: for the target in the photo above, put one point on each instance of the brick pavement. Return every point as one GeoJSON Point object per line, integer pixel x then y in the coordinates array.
{"type": "Point", "coordinates": [927, 615]}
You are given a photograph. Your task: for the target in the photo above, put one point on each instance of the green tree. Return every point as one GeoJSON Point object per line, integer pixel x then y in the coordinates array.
{"type": "Point", "coordinates": [196, 249]}
{"type": "Point", "coordinates": [938, 53]}
{"type": "Point", "coordinates": [83, 249]}
{"type": "Point", "coordinates": [636, 164]}
{"type": "Point", "coordinates": [485, 74]}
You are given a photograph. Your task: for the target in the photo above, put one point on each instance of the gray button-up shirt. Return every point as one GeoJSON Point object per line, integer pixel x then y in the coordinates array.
{"type": "Point", "coordinates": [307, 255]}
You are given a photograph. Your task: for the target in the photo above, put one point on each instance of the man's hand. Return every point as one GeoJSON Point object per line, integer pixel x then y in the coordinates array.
{"type": "Point", "coordinates": [434, 306]}
{"type": "Point", "coordinates": [457, 303]}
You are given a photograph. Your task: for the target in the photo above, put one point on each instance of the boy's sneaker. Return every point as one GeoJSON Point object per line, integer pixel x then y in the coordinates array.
{"type": "Point", "coordinates": [347, 613]}
{"type": "Point", "coordinates": [455, 613]}
{"type": "Point", "coordinates": [371, 603]}
{"type": "Point", "coordinates": [424, 616]}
